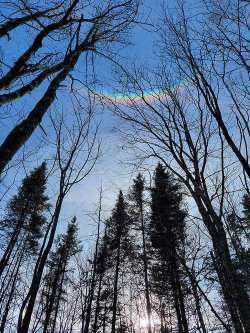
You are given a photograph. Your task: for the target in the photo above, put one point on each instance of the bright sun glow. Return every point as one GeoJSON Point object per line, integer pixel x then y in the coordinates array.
{"type": "Point", "coordinates": [142, 323]}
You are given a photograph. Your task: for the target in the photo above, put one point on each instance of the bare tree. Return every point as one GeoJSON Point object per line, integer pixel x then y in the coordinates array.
{"type": "Point", "coordinates": [211, 56]}
{"type": "Point", "coordinates": [66, 25]}
{"type": "Point", "coordinates": [179, 130]}
{"type": "Point", "coordinates": [76, 154]}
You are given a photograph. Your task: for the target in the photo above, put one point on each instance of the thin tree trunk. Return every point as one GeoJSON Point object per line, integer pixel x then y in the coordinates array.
{"type": "Point", "coordinates": [104, 319]}
{"type": "Point", "coordinates": [233, 290]}
{"type": "Point", "coordinates": [182, 305]}
{"type": "Point", "coordinates": [235, 295]}
{"type": "Point", "coordinates": [73, 317]}
{"type": "Point", "coordinates": [83, 315]}
{"type": "Point", "coordinates": [97, 310]}
{"type": "Point", "coordinates": [93, 280]}
{"type": "Point", "coordinates": [5, 285]}
{"type": "Point", "coordinates": [51, 300]}
{"type": "Point", "coordinates": [24, 320]}
{"type": "Point", "coordinates": [176, 301]}
{"type": "Point", "coordinates": [196, 284]}
{"type": "Point", "coordinates": [198, 306]}
{"type": "Point", "coordinates": [145, 268]}
{"type": "Point", "coordinates": [58, 302]}
{"type": "Point", "coordinates": [7, 253]}
{"type": "Point", "coordinates": [7, 307]}
{"type": "Point", "coordinates": [229, 300]}
{"type": "Point", "coordinates": [114, 308]}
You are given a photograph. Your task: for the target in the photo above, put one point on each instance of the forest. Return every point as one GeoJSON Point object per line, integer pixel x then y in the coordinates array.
{"type": "Point", "coordinates": [124, 166]}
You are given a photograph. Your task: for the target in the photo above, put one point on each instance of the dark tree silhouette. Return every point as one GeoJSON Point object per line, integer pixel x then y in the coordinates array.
{"type": "Point", "coordinates": [79, 33]}
{"type": "Point", "coordinates": [138, 216]}
{"type": "Point", "coordinates": [66, 247]}
{"type": "Point", "coordinates": [25, 214]}
{"type": "Point", "coordinates": [117, 236]}
{"type": "Point", "coordinates": [167, 230]}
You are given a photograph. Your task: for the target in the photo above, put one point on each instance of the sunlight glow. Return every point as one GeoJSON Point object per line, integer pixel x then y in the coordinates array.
{"type": "Point", "coordinates": [143, 322]}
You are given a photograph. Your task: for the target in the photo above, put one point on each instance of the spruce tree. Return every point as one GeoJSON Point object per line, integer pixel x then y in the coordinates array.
{"type": "Point", "coordinates": [118, 247]}
{"type": "Point", "coordinates": [138, 216]}
{"type": "Point", "coordinates": [245, 225]}
{"type": "Point", "coordinates": [104, 272]}
{"type": "Point", "coordinates": [24, 217]}
{"type": "Point", "coordinates": [239, 232]}
{"type": "Point", "coordinates": [22, 228]}
{"type": "Point", "coordinates": [67, 245]}
{"type": "Point", "coordinates": [167, 230]}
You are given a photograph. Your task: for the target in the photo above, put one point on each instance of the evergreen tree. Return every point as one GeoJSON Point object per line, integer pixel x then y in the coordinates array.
{"type": "Point", "coordinates": [66, 247]}
{"type": "Point", "coordinates": [118, 246]}
{"type": "Point", "coordinates": [24, 217]}
{"type": "Point", "coordinates": [245, 225]}
{"type": "Point", "coordinates": [93, 274]}
{"type": "Point", "coordinates": [22, 228]}
{"type": "Point", "coordinates": [167, 229]}
{"type": "Point", "coordinates": [138, 215]}
{"type": "Point", "coordinates": [104, 272]}
{"type": "Point", "coordinates": [239, 232]}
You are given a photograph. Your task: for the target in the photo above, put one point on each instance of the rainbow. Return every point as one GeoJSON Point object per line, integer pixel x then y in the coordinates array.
{"type": "Point", "coordinates": [149, 96]}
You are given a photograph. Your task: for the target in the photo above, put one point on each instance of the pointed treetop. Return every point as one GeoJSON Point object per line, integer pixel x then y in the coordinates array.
{"type": "Point", "coordinates": [246, 205]}
{"type": "Point", "coordinates": [120, 203]}
{"type": "Point", "coordinates": [138, 188]}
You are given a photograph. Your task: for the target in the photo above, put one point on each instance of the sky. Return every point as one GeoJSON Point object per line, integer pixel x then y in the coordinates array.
{"type": "Point", "coordinates": [111, 171]}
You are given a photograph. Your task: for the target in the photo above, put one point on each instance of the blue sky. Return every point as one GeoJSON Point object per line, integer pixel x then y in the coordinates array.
{"type": "Point", "coordinates": [111, 170]}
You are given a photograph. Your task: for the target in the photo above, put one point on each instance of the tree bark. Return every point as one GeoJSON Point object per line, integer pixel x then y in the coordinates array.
{"type": "Point", "coordinates": [7, 307]}
{"type": "Point", "coordinates": [145, 263]}
{"type": "Point", "coordinates": [234, 293]}
{"type": "Point", "coordinates": [114, 308]}
{"type": "Point", "coordinates": [198, 306]}
{"type": "Point", "coordinates": [97, 310]}
{"type": "Point", "coordinates": [52, 297]}
{"type": "Point", "coordinates": [24, 320]}
{"type": "Point", "coordinates": [7, 253]}
{"type": "Point", "coordinates": [22, 132]}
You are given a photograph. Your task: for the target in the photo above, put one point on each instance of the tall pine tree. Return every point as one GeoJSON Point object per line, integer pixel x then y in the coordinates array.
{"type": "Point", "coordinates": [167, 229]}
{"type": "Point", "coordinates": [22, 227]}
{"type": "Point", "coordinates": [67, 245]}
{"type": "Point", "coordinates": [138, 215]}
{"type": "Point", "coordinates": [25, 215]}
{"type": "Point", "coordinates": [118, 246]}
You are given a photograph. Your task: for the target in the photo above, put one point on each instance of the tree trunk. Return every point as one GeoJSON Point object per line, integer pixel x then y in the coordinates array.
{"type": "Point", "coordinates": [198, 306]}
{"type": "Point", "coordinates": [7, 307]}
{"type": "Point", "coordinates": [145, 268]}
{"type": "Point", "coordinates": [58, 301]}
{"type": "Point", "coordinates": [181, 301]}
{"type": "Point", "coordinates": [176, 301]}
{"type": "Point", "coordinates": [22, 132]}
{"type": "Point", "coordinates": [51, 300]}
{"type": "Point", "coordinates": [235, 296]}
{"type": "Point", "coordinates": [93, 280]}
{"type": "Point", "coordinates": [83, 312]}
{"type": "Point", "coordinates": [114, 308]}
{"type": "Point", "coordinates": [24, 320]}
{"type": "Point", "coordinates": [7, 253]}
{"type": "Point", "coordinates": [97, 310]}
